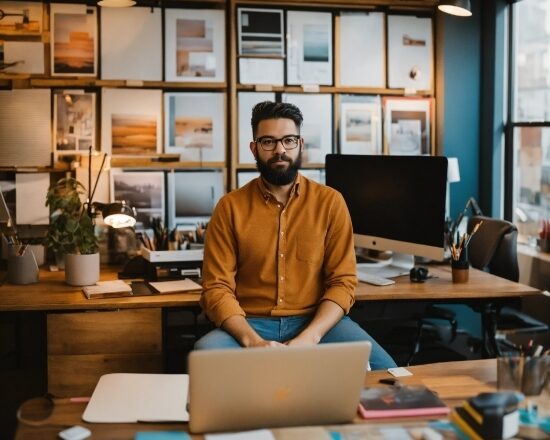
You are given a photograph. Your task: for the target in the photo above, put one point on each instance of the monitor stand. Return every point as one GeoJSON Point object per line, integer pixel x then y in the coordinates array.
{"type": "Point", "coordinates": [397, 265]}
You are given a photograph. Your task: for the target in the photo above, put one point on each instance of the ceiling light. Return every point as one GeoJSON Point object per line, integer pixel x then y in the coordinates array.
{"type": "Point", "coordinates": [460, 8]}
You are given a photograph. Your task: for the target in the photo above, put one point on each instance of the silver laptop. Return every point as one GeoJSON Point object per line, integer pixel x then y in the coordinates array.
{"type": "Point", "coordinates": [269, 387]}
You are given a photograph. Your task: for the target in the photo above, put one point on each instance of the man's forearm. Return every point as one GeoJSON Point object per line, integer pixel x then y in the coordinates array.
{"type": "Point", "coordinates": [327, 316]}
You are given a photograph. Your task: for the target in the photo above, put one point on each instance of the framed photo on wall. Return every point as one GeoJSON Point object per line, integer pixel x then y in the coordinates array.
{"type": "Point", "coordinates": [74, 122]}
{"type": "Point", "coordinates": [21, 18]}
{"type": "Point", "coordinates": [195, 126]}
{"type": "Point", "coordinates": [74, 40]}
{"type": "Point", "coordinates": [194, 45]}
{"type": "Point", "coordinates": [143, 190]}
{"type": "Point", "coordinates": [410, 52]}
{"type": "Point", "coordinates": [407, 126]}
{"type": "Point", "coordinates": [360, 126]}
{"type": "Point", "coordinates": [309, 47]}
{"type": "Point", "coordinates": [131, 122]}
{"type": "Point", "coordinates": [22, 57]}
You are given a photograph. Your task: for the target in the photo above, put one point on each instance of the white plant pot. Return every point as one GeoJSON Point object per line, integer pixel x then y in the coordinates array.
{"type": "Point", "coordinates": [81, 270]}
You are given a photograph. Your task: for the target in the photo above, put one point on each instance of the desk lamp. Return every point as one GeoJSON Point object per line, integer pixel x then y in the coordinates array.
{"type": "Point", "coordinates": [117, 214]}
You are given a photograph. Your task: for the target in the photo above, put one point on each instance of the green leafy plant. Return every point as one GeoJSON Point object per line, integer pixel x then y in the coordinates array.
{"type": "Point", "coordinates": [71, 229]}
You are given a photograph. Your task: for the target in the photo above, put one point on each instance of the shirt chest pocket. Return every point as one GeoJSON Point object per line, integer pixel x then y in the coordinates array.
{"type": "Point", "coordinates": [310, 251]}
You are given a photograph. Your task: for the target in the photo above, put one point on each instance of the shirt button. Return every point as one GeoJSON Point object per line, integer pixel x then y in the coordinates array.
{"type": "Point", "coordinates": [282, 255]}
{"type": "Point", "coordinates": [282, 233]}
{"type": "Point", "coordinates": [280, 300]}
{"type": "Point", "coordinates": [278, 206]}
{"type": "Point", "coordinates": [282, 278]}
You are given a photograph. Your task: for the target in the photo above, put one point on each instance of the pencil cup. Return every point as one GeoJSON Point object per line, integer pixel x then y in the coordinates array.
{"type": "Point", "coordinates": [22, 269]}
{"type": "Point", "coordinates": [460, 270]}
{"type": "Point", "coordinates": [525, 374]}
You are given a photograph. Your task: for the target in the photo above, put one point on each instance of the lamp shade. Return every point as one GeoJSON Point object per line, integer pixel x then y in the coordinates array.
{"type": "Point", "coordinates": [460, 8]}
{"type": "Point", "coordinates": [116, 3]}
{"type": "Point", "coordinates": [453, 172]}
{"type": "Point", "coordinates": [116, 214]}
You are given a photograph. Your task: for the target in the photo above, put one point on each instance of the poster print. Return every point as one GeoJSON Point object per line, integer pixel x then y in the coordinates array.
{"type": "Point", "coordinates": [74, 122]}
{"type": "Point", "coordinates": [360, 127]}
{"type": "Point", "coordinates": [195, 126]}
{"type": "Point", "coordinates": [20, 18]}
{"type": "Point", "coordinates": [131, 122]}
{"type": "Point", "coordinates": [74, 40]}
{"type": "Point", "coordinates": [195, 45]}
{"type": "Point", "coordinates": [407, 126]}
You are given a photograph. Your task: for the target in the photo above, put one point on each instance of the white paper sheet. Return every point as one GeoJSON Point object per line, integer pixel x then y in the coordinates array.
{"type": "Point", "coordinates": [103, 185]}
{"type": "Point", "coordinates": [30, 198]}
{"type": "Point", "coordinates": [258, 434]}
{"type": "Point", "coordinates": [195, 45]}
{"type": "Point", "coordinates": [317, 126]}
{"type": "Point", "coordinates": [29, 57]}
{"type": "Point", "coordinates": [131, 45]}
{"type": "Point", "coordinates": [194, 126]}
{"type": "Point", "coordinates": [25, 128]}
{"type": "Point", "coordinates": [74, 122]}
{"type": "Point", "coordinates": [309, 47]}
{"type": "Point", "coordinates": [410, 52]}
{"type": "Point", "coordinates": [261, 71]}
{"type": "Point", "coordinates": [131, 398]}
{"type": "Point", "coordinates": [246, 101]}
{"type": "Point", "coordinates": [131, 123]}
{"type": "Point", "coordinates": [362, 52]}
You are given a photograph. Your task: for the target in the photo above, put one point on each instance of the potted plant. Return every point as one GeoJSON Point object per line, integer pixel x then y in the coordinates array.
{"type": "Point", "coordinates": [71, 232]}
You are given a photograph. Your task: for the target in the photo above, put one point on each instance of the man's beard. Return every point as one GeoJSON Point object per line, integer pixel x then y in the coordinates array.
{"type": "Point", "coordinates": [279, 175]}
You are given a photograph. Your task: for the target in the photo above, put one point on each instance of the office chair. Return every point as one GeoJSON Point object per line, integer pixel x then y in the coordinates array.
{"type": "Point", "coordinates": [494, 250]}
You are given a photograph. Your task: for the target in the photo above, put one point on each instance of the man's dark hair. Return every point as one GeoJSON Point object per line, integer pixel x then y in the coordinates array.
{"type": "Point", "coordinates": [275, 110]}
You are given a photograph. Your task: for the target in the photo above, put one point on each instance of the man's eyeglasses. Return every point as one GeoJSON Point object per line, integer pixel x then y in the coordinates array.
{"type": "Point", "coordinates": [269, 143]}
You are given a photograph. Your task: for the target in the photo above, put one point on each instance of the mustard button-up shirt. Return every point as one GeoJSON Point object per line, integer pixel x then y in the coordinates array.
{"type": "Point", "coordinates": [265, 259]}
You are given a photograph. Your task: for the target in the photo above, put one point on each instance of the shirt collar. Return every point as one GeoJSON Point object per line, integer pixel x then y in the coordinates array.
{"type": "Point", "coordinates": [266, 194]}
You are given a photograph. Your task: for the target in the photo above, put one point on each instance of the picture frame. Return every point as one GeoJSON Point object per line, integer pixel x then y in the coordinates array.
{"type": "Point", "coordinates": [195, 126]}
{"type": "Point", "coordinates": [316, 129]}
{"type": "Point", "coordinates": [142, 190]}
{"type": "Point", "coordinates": [410, 52]}
{"type": "Point", "coordinates": [131, 122]}
{"type": "Point", "coordinates": [25, 57]}
{"type": "Point", "coordinates": [73, 40]}
{"type": "Point", "coordinates": [309, 51]}
{"type": "Point", "coordinates": [134, 51]}
{"type": "Point", "coordinates": [246, 102]}
{"type": "Point", "coordinates": [26, 19]}
{"type": "Point", "coordinates": [407, 126]}
{"type": "Point", "coordinates": [74, 122]}
{"type": "Point", "coordinates": [194, 45]}
{"type": "Point", "coordinates": [362, 53]}
{"type": "Point", "coordinates": [361, 126]}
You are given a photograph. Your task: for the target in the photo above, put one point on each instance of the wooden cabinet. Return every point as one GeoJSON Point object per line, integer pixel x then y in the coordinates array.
{"type": "Point", "coordinates": [82, 346]}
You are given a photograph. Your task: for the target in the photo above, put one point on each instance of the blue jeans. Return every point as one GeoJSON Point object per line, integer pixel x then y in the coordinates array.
{"type": "Point", "coordinates": [285, 328]}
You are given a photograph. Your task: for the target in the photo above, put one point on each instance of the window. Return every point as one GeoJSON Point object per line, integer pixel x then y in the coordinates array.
{"type": "Point", "coordinates": [529, 130]}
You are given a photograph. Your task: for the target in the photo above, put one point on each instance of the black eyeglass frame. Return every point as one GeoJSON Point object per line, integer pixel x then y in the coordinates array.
{"type": "Point", "coordinates": [295, 137]}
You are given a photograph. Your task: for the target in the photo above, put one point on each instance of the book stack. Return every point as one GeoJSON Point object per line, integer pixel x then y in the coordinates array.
{"type": "Point", "coordinates": [107, 289]}
{"type": "Point", "coordinates": [400, 401]}
{"type": "Point", "coordinates": [489, 416]}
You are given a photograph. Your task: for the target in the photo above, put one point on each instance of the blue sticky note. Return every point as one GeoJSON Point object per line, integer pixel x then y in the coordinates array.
{"type": "Point", "coordinates": [162, 435]}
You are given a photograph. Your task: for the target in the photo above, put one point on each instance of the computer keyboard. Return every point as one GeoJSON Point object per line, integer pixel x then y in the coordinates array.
{"type": "Point", "coordinates": [373, 279]}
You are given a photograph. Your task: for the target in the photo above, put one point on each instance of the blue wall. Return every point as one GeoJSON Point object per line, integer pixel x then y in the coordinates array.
{"type": "Point", "coordinates": [462, 75]}
{"type": "Point", "coordinates": [462, 119]}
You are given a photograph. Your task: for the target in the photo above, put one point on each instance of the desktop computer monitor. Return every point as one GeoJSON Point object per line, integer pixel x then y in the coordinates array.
{"type": "Point", "coordinates": [396, 203]}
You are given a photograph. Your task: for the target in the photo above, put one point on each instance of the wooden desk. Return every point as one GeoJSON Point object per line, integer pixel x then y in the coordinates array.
{"type": "Point", "coordinates": [483, 372]}
{"type": "Point", "coordinates": [82, 345]}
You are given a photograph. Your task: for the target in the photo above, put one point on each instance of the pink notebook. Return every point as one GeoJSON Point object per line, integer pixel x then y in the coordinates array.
{"type": "Point", "coordinates": [400, 401]}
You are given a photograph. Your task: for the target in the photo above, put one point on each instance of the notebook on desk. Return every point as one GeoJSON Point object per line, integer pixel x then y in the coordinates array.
{"type": "Point", "coordinates": [262, 387]}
